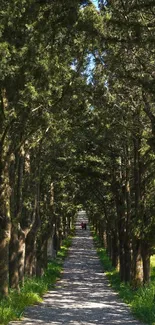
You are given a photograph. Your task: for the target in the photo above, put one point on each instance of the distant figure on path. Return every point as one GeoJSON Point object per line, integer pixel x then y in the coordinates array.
{"type": "Point", "coordinates": [83, 225]}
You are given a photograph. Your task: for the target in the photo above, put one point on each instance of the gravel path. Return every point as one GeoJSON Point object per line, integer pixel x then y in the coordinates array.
{"type": "Point", "coordinates": [82, 296]}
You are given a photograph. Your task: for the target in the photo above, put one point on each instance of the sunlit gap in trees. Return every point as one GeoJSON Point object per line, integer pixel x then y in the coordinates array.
{"type": "Point", "coordinates": [96, 3]}
{"type": "Point", "coordinates": [89, 68]}
{"type": "Point", "coordinates": [99, 3]}
{"type": "Point", "coordinates": [90, 57]}
{"type": "Point", "coordinates": [87, 71]}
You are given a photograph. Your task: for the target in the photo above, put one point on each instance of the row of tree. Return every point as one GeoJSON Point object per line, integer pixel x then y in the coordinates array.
{"type": "Point", "coordinates": [44, 48]}
{"type": "Point", "coordinates": [76, 126]}
{"type": "Point", "coordinates": [123, 209]}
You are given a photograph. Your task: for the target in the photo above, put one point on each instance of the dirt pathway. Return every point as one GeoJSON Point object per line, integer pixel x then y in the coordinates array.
{"type": "Point", "coordinates": [83, 296]}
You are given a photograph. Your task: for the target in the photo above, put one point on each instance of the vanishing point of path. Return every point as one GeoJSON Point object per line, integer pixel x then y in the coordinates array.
{"type": "Point", "coordinates": [82, 296]}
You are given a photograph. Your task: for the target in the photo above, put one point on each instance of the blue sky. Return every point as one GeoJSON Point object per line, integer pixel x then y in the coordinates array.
{"type": "Point", "coordinates": [95, 2]}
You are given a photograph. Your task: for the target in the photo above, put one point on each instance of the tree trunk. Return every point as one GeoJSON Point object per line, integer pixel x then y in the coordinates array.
{"type": "Point", "coordinates": [137, 269]}
{"type": "Point", "coordinates": [42, 257]}
{"type": "Point", "coordinates": [109, 245]}
{"type": "Point", "coordinates": [122, 259]}
{"type": "Point", "coordinates": [16, 180]}
{"type": "Point", "coordinates": [146, 262]}
{"type": "Point", "coordinates": [30, 249]}
{"type": "Point", "coordinates": [127, 244]}
{"type": "Point", "coordinates": [4, 254]}
{"type": "Point", "coordinates": [127, 259]}
{"type": "Point", "coordinates": [101, 231]}
{"type": "Point", "coordinates": [21, 254]}
{"type": "Point", "coordinates": [105, 239]}
{"type": "Point", "coordinates": [119, 192]}
{"type": "Point", "coordinates": [13, 258]}
{"type": "Point", "coordinates": [5, 226]}
{"type": "Point", "coordinates": [115, 250]}
{"type": "Point", "coordinates": [30, 252]}
{"type": "Point", "coordinates": [121, 236]}
{"type": "Point", "coordinates": [137, 273]}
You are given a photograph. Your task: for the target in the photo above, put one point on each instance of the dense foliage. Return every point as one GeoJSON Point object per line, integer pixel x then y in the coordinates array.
{"type": "Point", "coordinates": [77, 128]}
{"type": "Point", "coordinates": [44, 49]}
{"type": "Point", "coordinates": [123, 209]}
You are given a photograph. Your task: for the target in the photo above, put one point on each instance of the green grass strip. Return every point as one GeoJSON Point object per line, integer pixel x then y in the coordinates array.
{"type": "Point", "coordinates": [12, 307]}
{"type": "Point", "coordinates": [142, 300]}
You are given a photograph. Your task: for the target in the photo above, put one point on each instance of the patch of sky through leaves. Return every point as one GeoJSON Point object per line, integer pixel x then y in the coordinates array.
{"type": "Point", "coordinates": [90, 58]}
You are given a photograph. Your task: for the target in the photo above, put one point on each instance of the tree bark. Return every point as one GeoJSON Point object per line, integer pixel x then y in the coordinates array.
{"type": "Point", "coordinates": [21, 254]}
{"type": "Point", "coordinates": [146, 262]}
{"type": "Point", "coordinates": [115, 250]}
{"type": "Point", "coordinates": [127, 259]}
{"type": "Point", "coordinates": [5, 227]}
{"type": "Point", "coordinates": [137, 268]}
{"type": "Point", "coordinates": [30, 253]}
{"type": "Point", "coordinates": [13, 258]}
{"type": "Point", "coordinates": [105, 239]}
{"type": "Point", "coordinates": [137, 272]}
{"type": "Point", "coordinates": [30, 250]}
{"type": "Point", "coordinates": [16, 179]}
{"type": "Point", "coordinates": [42, 256]}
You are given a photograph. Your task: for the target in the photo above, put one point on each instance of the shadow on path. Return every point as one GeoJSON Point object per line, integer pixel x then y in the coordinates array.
{"type": "Point", "coordinates": [83, 295]}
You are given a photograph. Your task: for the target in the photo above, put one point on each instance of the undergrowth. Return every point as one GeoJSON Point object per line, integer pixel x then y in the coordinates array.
{"type": "Point", "coordinates": [142, 300]}
{"type": "Point", "coordinates": [12, 307]}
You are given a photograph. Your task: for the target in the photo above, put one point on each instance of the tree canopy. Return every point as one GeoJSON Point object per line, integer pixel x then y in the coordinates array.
{"type": "Point", "coordinates": [77, 128]}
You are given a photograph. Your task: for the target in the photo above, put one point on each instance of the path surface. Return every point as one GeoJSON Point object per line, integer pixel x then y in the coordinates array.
{"type": "Point", "coordinates": [82, 296]}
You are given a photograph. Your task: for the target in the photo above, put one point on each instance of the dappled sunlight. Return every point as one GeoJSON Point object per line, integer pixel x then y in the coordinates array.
{"type": "Point", "coordinates": [83, 295]}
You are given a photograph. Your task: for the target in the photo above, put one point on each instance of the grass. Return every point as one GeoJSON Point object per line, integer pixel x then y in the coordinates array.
{"type": "Point", "coordinates": [12, 307]}
{"type": "Point", "coordinates": [142, 300]}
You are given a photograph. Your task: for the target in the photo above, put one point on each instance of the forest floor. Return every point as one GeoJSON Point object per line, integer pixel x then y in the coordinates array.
{"type": "Point", "coordinates": [83, 295]}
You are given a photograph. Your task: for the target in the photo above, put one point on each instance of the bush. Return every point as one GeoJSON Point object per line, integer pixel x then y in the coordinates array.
{"type": "Point", "coordinates": [143, 305]}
